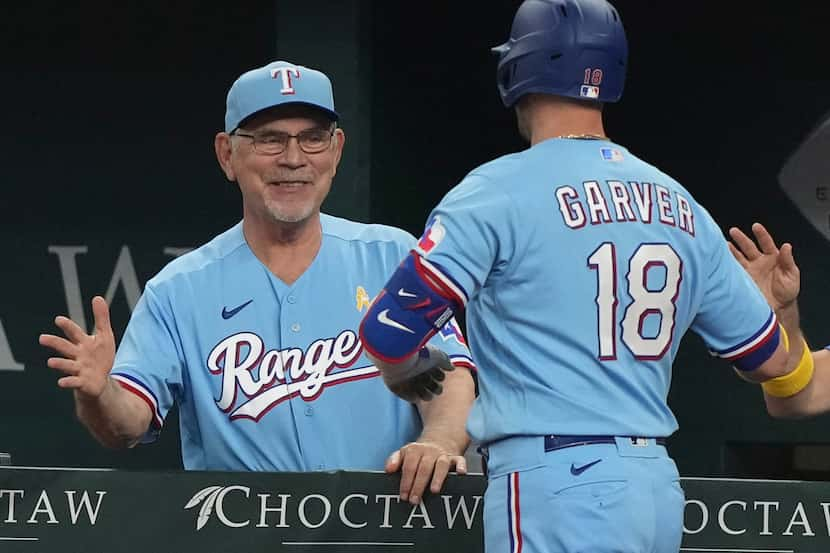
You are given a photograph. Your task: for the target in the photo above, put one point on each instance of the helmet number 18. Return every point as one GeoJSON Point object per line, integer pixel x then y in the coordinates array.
{"type": "Point", "coordinates": [593, 76]}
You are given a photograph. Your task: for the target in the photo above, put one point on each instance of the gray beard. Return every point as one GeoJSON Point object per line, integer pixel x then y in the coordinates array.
{"type": "Point", "coordinates": [280, 216]}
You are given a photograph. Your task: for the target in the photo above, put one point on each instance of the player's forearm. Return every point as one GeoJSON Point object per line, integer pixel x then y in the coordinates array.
{"type": "Point", "coordinates": [814, 399]}
{"type": "Point", "coordinates": [788, 317]}
{"type": "Point", "coordinates": [116, 418]}
{"type": "Point", "coordinates": [445, 416]}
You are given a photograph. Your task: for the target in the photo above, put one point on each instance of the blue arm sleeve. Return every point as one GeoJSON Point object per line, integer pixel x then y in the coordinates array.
{"type": "Point", "coordinates": [411, 308]}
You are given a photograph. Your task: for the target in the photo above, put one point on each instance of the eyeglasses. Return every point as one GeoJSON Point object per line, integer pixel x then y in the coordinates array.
{"type": "Point", "coordinates": [271, 143]}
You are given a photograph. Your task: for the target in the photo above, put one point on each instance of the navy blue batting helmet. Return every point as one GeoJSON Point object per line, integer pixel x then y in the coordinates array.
{"type": "Point", "coordinates": [574, 48]}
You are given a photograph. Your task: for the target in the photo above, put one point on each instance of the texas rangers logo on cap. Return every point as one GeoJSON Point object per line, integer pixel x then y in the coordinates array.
{"type": "Point", "coordinates": [285, 73]}
{"type": "Point", "coordinates": [432, 236]}
{"type": "Point", "coordinates": [278, 83]}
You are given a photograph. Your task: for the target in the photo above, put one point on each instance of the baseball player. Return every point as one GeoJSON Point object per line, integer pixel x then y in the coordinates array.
{"type": "Point", "coordinates": [775, 272]}
{"type": "Point", "coordinates": [254, 334]}
{"type": "Point", "coordinates": [580, 267]}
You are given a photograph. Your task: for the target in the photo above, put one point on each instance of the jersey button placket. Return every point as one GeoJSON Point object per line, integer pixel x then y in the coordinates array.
{"type": "Point", "coordinates": [297, 329]}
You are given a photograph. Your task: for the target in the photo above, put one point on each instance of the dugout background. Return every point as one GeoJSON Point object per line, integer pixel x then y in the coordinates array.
{"type": "Point", "coordinates": [110, 112]}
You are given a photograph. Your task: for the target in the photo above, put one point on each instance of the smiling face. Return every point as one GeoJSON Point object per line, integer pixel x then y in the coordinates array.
{"type": "Point", "coordinates": [284, 188]}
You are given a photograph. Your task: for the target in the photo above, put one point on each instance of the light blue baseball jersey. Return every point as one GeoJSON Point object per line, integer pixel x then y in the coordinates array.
{"type": "Point", "coordinates": [269, 376]}
{"type": "Point", "coordinates": [581, 267]}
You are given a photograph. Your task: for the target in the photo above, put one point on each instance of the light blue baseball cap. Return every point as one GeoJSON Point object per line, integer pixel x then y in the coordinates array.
{"type": "Point", "coordinates": [276, 84]}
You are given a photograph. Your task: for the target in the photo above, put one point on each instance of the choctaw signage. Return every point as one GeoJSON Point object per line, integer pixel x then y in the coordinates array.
{"type": "Point", "coordinates": [312, 511]}
{"type": "Point", "coordinates": [762, 516]}
{"type": "Point", "coordinates": [43, 510]}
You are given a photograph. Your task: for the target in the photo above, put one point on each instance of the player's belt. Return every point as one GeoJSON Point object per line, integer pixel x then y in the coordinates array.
{"type": "Point", "coordinates": [514, 452]}
{"type": "Point", "coordinates": [552, 443]}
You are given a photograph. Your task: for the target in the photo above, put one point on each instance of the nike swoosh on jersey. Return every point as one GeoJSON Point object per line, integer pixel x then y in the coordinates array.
{"type": "Point", "coordinates": [383, 318]}
{"type": "Point", "coordinates": [576, 471]}
{"type": "Point", "coordinates": [404, 294]}
{"type": "Point", "coordinates": [228, 313]}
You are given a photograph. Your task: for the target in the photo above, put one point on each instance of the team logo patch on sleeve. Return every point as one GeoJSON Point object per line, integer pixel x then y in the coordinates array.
{"type": "Point", "coordinates": [432, 236]}
{"type": "Point", "coordinates": [451, 331]}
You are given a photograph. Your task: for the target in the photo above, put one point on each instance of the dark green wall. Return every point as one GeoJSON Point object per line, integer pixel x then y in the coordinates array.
{"type": "Point", "coordinates": [110, 113]}
{"type": "Point", "coordinates": [340, 44]}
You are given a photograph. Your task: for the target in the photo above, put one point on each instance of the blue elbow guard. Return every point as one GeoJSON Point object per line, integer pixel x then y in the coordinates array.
{"type": "Point", "coordinates": [407, 313]}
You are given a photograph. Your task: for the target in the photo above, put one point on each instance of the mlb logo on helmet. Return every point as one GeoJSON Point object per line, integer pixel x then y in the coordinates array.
{"type": "Point", "coordinates": [588, 91]}
{"type": "Point", "coordinates": [432, 236]}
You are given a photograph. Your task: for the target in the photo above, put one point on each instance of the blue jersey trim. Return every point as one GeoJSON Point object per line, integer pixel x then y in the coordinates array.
{"type": "Point", "coordinates": [753, 342]}
{"type": "Point", "coordinates": [756, 357]}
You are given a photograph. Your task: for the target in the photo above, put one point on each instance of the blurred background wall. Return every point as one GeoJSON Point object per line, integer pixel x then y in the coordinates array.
{"type": "Point", "coordinates": [108, 166]}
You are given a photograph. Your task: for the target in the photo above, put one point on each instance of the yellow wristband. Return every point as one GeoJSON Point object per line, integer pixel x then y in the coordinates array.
{"type": "Point", "coordinates": [792, 383]}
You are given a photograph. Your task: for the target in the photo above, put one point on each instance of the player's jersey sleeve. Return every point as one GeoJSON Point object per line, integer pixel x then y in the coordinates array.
{"type": "Point", "coordinates": [449, 338]}
{"type": "Point", "coordinates": [470, 236]}
{"type": "Point", "coordinates": [750, 328]}
{"type": "Point", "coordinates": [149, 360]}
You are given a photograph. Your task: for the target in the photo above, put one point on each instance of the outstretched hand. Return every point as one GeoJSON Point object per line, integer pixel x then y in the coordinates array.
{"type": "Point", "coordinates": [84, 359]}
{"type": "Point", "coordinates": [773, 269]}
